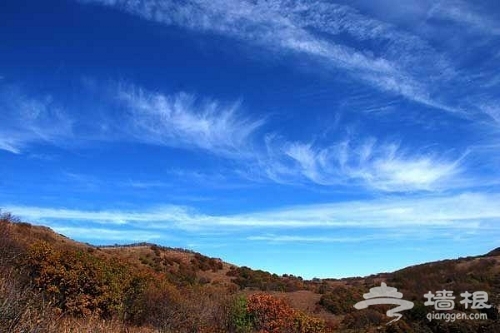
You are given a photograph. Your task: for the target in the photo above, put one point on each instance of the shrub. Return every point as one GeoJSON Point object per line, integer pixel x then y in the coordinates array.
{"type": "Point", "coordinates": [240, 321]}
{"type": "Point", "coordinates": [76, 282]}
{"type": "Point", "coordinates": [272, 315]}
{"type": "Point", "coordinates": [341, 300]}
{"type": "Point", "coordinates": [362, 319]}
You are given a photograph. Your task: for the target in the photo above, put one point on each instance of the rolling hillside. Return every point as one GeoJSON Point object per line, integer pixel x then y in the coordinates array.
{"type": "Point", "coordinates": [50, 283]}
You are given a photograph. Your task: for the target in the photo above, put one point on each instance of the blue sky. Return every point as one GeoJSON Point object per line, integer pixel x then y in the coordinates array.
{"type": "Point", "coordinates": [317, 138]}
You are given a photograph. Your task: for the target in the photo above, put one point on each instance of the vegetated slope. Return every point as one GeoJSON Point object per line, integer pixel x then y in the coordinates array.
{"type": "Point", "coordinates": [49, 282]}
{"type": "Point", "coordinates": [471, 274]}
{"type": "Point", "coordinates": [180, 265]}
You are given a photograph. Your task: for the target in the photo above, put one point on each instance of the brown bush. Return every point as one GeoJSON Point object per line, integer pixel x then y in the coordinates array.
{"type": "Point", "coordinates": [273, 315]}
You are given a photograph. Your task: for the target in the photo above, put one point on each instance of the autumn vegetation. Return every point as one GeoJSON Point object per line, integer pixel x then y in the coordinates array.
{"type": "Point", "coordinates": [52, 284]}
{"type": "Point", "coordinates": [49, 283]}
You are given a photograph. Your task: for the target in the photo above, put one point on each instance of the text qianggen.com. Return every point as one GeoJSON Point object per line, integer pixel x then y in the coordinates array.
{"type": "Point", "coordinates": [451, 317]}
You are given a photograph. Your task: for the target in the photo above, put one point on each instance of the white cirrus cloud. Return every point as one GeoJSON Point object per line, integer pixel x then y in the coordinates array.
{"type": "Point", "coordinates": [184, 120]}
{"type": "Point", "coordinates": [466, 14]}
{"type": "Point", "coordinates": [107, 234]}
{"type": "Point", "coordinates": [477, 211]}
{"type": "Point", "coordinates": [27, 120]}
{"type": "Point", "coordinates": [313, 239]}
{"type": "Point", "coordinates": [380, 166]}
{"type": "Point", "coordinates": [311, 28]}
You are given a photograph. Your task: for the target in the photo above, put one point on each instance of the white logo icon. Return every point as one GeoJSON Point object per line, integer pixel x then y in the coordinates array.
{"type": "Point", "coordinates": [385, 295]}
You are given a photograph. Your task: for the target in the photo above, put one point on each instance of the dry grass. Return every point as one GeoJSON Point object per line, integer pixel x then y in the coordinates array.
{"type": "Point", "coordinates": [93, 325]}
{"type": "Point", "coordinates": [23, 310]}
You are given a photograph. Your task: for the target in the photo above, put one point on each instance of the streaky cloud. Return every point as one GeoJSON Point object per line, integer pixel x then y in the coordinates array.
{"type": "Point", "coordinates": [27, 120]}
{"type": "Point", "coordinates": [467, 15]}
{"type": "Point", "coordinates": [107, 234]}
{"type": "Point", "coordinates": [472, 211]}
{"type": "Point", "coordinates": [386, 167]}
{"type": "Point", "coordinates": [291, 27]}
{"type": "Point", "coordinates": [187, 121]}
{"type": "Point", "coordinates": [314, 239]}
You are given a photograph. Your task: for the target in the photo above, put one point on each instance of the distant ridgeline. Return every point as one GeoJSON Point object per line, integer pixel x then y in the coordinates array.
{"type": "Point", "coordinates": [144, 244]}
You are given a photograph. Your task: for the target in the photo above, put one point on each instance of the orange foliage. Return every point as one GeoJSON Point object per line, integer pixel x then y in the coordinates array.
{"type": "Point", "coordinates": [273, 315]}
{"type": "Point", "coordinates": [77, 282]}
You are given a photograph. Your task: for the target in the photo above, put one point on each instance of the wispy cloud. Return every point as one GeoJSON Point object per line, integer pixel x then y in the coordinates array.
{"type": "Point", "coordinates": [184, 120]}
{"type": "Point", "coordinates": [313, 239]}
{"type": "Point", "coordinates": [171, 214]}
{"type": "Point", "coordinates": [493, 110]}
{"type": "Point", "coordinates": [26, 120]}
{"type": "Point", "coordinates": [179, 120]}
{"type": "Point", "coordinates": [392, 59]}
{"type": "Point", "coordinates": [108, 235]}
{"type": "Point", "coordinates": [311, 29]}
{"type": "Point", "coordinates": [464, 211]}
{"type": "Point", "coordinates": [466, 14]}
{"type": "Point", "coordinates": [10, 145]}
{"type": "Point", "coordinates": [146, 184]}
{"type": "Point", "coordinates": [380, 166]}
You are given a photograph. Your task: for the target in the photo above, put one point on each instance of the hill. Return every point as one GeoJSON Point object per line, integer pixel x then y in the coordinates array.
{"type": "Point", "coordinates": [50, 283]}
